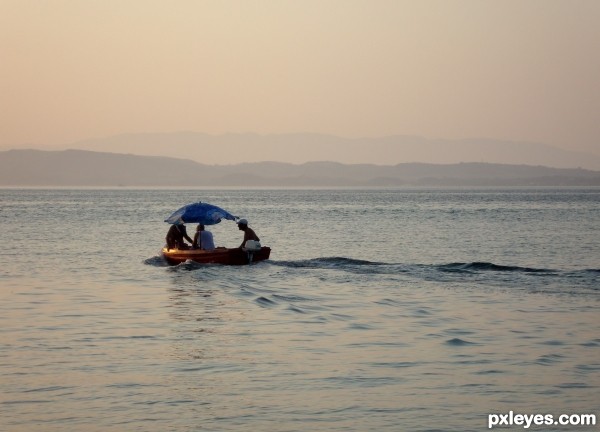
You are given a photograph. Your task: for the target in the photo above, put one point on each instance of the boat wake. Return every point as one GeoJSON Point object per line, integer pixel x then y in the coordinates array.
{"type": "Point", "coordinates": [457, 267]}
{"type": "Point", "coordinates": [461, 273]}
{"type": "Point", "coordinates": [329, 262]}
{"type": "Point", "coordinates": [484, 266]}
{"type": "Point", "coordinates": [539, 280]}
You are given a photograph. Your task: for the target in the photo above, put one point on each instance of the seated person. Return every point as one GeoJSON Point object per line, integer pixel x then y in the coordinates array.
{"type": "Point", "coordinates": [175, 237]}
{"type": "Point", "coordinates": [203, 239]}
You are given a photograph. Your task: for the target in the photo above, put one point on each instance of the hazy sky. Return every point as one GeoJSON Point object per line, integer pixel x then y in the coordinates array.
{"type": "Point", "coordinates": [506, 69]}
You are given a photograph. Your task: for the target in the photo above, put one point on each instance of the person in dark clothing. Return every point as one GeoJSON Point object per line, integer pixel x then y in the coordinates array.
{"type": "Point", "coordinates": [175, 237]}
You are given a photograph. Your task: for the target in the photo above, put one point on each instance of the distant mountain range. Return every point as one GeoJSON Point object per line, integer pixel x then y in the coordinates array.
{"type": "Point", "coordinates": [306, 147]}
{"type": "Point", "coordinates": [87, 168]}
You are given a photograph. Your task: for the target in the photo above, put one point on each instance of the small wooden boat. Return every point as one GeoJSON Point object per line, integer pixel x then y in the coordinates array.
{"type": "Point", "coordinates": [219, 255]}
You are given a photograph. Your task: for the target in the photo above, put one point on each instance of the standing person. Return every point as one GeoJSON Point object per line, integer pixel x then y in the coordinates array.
{"type": "Point", "coordinates": [175, 237]}
{"type": "Point", "coordinates": [203, 239]}
{"type": "Point", "coordinates": [249, 233]}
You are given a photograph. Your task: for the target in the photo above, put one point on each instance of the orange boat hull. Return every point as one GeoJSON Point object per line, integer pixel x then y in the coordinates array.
{"type": "Point", "coordinates": [217, 256]}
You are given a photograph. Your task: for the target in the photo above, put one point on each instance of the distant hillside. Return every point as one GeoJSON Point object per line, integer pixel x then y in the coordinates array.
{"type": "Point", "coordinates": [307, 147]}
{"type": "Point", "coordinates": [86, 168]}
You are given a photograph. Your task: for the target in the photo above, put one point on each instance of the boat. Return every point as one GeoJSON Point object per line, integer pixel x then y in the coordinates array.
{"type": "Point", "coordinates": [209, 214]}
{"type": "Point", "coordinates": [220, 255]}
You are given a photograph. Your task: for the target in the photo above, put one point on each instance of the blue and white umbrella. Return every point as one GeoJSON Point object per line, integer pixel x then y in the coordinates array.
{"type": "Point", "coordinates": [202, 213]}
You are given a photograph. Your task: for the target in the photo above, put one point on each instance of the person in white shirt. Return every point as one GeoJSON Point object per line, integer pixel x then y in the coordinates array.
{"type": "Point", "coordinates": [203, 239]}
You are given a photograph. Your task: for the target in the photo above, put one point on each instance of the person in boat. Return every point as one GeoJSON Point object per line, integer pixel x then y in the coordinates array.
{"type": "Point", "coordinates": [249, 233]}
{"type": "Point", "coordinates": [203, 239]}
{"type": "Point", "coordinates": [175, 237]}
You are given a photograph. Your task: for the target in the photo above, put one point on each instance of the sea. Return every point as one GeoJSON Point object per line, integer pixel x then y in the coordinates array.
{"type": "Point", "coordinates": [378, 310]}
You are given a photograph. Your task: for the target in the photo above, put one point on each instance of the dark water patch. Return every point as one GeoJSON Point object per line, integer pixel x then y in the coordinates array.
{"type": "Point", "coordinates": [388, 302]}
{"type": "Point", "coordinates": [128, 337]}
{"type": "Point", "coordinates": [476, 385]}
{"type": "Point", "coordinates": [314, 320]}
{"type": "Point", "coordinates": [490, 372]}
{"type": "Point", "coordinates": [342, 317]}
{"type": "Point", "coordinates": [291, 298]}
{"type": "Point", "coordinates": [263, 301]}
{"type": "Point", "coordinates": [315, 307]}
{"type": "Point", "coordinates": [553, 343]}
{"type": "Point", "coordinates": [587, 278]}
{"type": "Point", "coordinates": [25, 402]}
{"type": "Point", "coordinates": [246, 292]}
{"type": "Point", "coordinates": [184, 401]}
{"type": "Point", "coordinates": [531, 280]}
{"type": "Point", "coordinates": [131, 385]}
{"type": "Point", "coordinates": [458, 332]}
{"type": "Point", "coordinates": [585, 273]}
{"type": "Point", "coordinates": [422, 312]}
{"type": "Point", "coordinates": [591, 344]}
{"type": "Point", "coordinates": [374, 345]}
{"type": "Point", "coordinates": [575, 385]}
{"type": "Point", "coordinates": [156, 261]}
{"type": "Point", "coordinates": [296, 309]}
{"type": "Point", "coordinates": [488, 266]}
{"type": "Point", "coordinates": [549, 392]}
{"type": "Point", "coordinates": [588, 368]}
{"type": "Point", "coordinates": [47, 389]}
{"type": "Point", "coordinates": [457, 342]}
{"type": "Point", "coordinates": [363, 381]}
{"type": "Point", "coordinates": [359, 326]}
{"type": "Point", "coordinates": [196, 368]}
{"type": "Point", "coordinates": [396, 365]}
{"type": "Point", "coordinates": [549, 359]}
{"type": "Point", "coordinates": [469, 360]}
{"type": "Point", "coordinates": [488, 274]}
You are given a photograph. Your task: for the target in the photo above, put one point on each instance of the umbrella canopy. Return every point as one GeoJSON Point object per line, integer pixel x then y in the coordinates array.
{"type": "Point", "coordinates": [203, 213]}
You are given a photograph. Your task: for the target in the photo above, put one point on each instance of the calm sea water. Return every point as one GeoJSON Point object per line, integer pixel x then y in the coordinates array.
{"type": "Point", "coordinates": [380, 310]}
